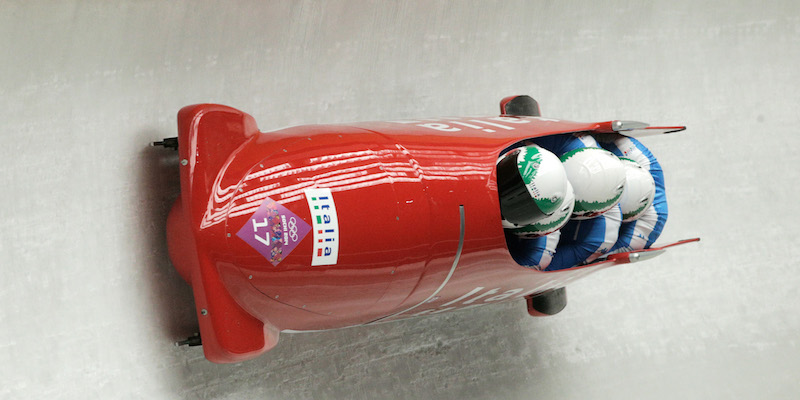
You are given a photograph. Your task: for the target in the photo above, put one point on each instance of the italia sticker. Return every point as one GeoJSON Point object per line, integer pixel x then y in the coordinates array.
{"type": "Point", "coordinates": [325, 226]}
{"type": "Point", "coordinates": [273, 231]}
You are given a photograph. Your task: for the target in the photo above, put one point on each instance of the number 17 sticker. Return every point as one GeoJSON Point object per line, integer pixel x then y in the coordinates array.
{"type": "Point", "coordinates": [274, 231]}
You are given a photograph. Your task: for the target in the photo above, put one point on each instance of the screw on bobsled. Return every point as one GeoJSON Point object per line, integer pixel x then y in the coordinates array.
{"type": "Point", "coordinates": [328, 226]}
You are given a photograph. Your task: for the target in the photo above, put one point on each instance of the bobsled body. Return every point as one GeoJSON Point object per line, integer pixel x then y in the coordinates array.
{"type": "Point", "coordinates": [329, 226]}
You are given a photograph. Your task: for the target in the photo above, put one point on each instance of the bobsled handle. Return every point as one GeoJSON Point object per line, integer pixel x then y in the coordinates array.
{"type": "Point", "coordinates": [520, 105]}
{"type": "Point", "coordinates": [635, 129]}
{"type": "Point", "coordinates": [641, 255]}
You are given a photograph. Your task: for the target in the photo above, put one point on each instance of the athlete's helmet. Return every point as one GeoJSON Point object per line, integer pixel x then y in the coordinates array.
{"type": "Point", "coordinates": [598, 178]}
{"type": "Point", "coordinates": [639, 191]}
{"type": "Point", "coordinates": [532, 185]}
{"type": "Point", "coordinates": [550, 224]}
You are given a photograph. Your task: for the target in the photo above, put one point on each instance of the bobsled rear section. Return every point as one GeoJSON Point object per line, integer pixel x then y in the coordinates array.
{"type": "Point", "coordinates": [328, 226]}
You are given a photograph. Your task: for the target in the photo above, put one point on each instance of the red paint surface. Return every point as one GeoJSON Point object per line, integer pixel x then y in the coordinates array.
{"type": "Point", "coordinates": [397, 189]}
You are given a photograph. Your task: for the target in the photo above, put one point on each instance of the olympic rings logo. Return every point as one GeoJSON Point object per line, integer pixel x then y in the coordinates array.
{"type": "Point", "coordinates": [292, 225]}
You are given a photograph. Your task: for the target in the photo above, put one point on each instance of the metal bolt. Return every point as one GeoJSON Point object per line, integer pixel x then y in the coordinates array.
{"type": "Point", "coordinates": [229, 235]}
{"type": "Point", "coordinates": [184, 162]}
{"type": "Point", "coordinates": [204, 312]}
{"type": "Point", "coordinates": [250, 277]}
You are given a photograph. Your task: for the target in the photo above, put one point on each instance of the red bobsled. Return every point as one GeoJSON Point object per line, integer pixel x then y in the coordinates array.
{"type": "Point", "coordinates": [328, 226]}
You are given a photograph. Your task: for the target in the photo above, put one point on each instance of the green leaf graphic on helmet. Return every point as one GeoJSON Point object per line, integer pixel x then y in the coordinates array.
{"type": "Point", "coordinates": [545, 179]}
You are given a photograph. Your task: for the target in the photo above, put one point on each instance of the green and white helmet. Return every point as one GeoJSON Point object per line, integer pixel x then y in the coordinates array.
{"type": "Point", "coordinates": [639, 191]}
{"type": "Point", "coordinates": [598, 178]}
{"type": "Point", "coordinates": [532, 185]}
{"type": "Point", "coordinates": [552, 223]}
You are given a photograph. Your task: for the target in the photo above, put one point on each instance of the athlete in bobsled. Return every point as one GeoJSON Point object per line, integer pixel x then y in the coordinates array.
{"type": "Point", "coordinates": [536, 200]}
{"type": "Point", "coordinates": [607, 192]}
{"type": "Point", "coordinates": [643, 221]}
{"type": "Point", "coordinates": [598, 178]}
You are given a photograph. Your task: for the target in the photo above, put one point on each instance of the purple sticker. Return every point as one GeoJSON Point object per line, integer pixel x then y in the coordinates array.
{"type": "Point", "coordinates": [274, 231]}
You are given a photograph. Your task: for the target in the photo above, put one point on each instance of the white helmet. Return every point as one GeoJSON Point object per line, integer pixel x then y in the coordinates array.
{"type": "Point", "coordinates": [531, 183]}
{"type": "Point", "coordinates": [639, 191]}
{"type": "Point", "coordinates": [598, 178]}
{"type": "Point", "coordinates": [552, 223]}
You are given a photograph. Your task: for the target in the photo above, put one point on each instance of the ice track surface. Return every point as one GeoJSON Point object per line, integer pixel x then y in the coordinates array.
{"type": "Point", "coordinates": [91, 306]}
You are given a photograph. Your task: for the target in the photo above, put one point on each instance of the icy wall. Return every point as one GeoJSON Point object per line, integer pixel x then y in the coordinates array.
{"type": "Point", "coordinates": [91, 306]}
